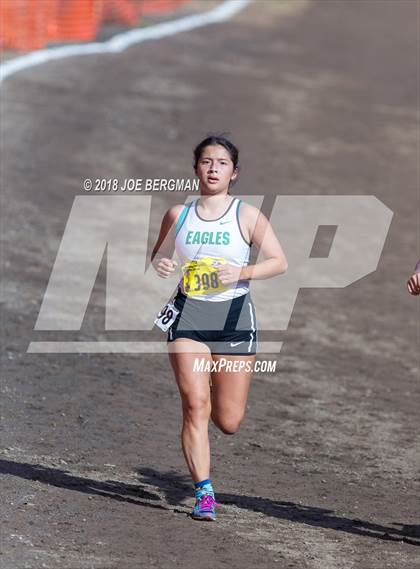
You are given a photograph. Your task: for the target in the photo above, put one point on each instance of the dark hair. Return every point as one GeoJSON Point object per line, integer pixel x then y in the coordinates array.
{"type": "Point", "coordinates": [212, 140]}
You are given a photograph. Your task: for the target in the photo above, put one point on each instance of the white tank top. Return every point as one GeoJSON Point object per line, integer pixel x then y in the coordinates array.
{"type": "Point", "coordinates": [211, 243]}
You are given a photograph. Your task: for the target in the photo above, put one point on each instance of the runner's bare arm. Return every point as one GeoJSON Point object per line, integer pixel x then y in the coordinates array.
{"type": "Point", "coordinates": [260, 232]}
{"type": "Point", "coordinates": [163, 251]}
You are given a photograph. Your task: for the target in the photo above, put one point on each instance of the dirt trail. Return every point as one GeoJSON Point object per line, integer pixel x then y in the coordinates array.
{"type": "Point", "coordinates": [323, 474]}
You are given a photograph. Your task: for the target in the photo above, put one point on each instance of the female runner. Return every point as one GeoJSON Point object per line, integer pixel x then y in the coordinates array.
{"type": "Point", "coordinates": [212, 236]}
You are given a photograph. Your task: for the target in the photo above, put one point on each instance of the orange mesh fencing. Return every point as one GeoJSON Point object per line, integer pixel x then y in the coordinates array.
{"type": "Point", "coordinates": [122, 11]}
{"type": "Point", "coordinates": [26, 25]}
{"type": "Point", "coordinates": [32, 24]}
{"type": "Point", "coordinates": [147, 7]}
{"type": "Point", "coordinates": [77, 20]}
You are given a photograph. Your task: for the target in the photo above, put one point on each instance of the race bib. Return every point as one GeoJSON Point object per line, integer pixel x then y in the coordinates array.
{"type": "Point", "coordinates": [201, 276]}
{"type": "Point", "coordinates": [166, 317]}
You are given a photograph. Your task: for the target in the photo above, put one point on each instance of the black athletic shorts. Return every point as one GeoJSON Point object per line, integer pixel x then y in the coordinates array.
{"type": "Point", "coordinates": [227, 327]}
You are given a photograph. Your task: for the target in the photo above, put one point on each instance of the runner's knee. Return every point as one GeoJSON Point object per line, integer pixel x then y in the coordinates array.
{"type": "Point", "coordinates": [228, 426]}
{"type": "Point", "coordinates": [196, 408]}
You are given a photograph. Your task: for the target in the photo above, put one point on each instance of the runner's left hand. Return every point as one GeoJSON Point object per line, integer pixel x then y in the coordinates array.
{"type": "Point", "coordinates": [229, 274]}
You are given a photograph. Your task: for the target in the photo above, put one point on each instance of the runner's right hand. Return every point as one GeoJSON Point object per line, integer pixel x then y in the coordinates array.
{"type": "Point", "coordinates": [413, 284]}
{"type": "Point", "coordinates": [165, 267]}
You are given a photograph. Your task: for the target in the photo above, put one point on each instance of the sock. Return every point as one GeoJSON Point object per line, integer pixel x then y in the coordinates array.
{"type": "Point", "coordinates": [203, 487]}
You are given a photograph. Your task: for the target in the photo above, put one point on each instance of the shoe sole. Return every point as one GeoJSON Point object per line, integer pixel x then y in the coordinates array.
{"type": "Point", "coordinates": [203, 518]}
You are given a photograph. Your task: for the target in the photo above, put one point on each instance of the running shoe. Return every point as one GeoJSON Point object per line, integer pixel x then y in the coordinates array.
{"type": "Point", "coordinates": [205, 509]}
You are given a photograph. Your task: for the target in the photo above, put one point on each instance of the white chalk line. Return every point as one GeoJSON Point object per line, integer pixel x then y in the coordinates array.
{"type": "Point", "coordinates": [122, 41]}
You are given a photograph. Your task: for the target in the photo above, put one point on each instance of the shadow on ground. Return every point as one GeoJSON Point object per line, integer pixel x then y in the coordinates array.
{"type": "Point", "coordinates": [175, 488]}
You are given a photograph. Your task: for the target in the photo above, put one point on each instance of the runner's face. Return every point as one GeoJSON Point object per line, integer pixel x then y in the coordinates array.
{"type": "Point", "coordinates": [215, 169]}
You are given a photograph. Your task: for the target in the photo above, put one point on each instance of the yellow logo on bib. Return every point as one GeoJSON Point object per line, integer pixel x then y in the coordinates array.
{"type": "Point", "coordinates": [201, 276]}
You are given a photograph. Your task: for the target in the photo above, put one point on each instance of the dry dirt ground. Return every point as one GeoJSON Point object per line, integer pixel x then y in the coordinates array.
{"type": "Point", "coordinates": [322, 98]}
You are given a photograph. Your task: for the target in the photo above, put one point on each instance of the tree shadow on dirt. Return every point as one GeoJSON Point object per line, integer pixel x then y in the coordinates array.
{"type": "Point", "coordinates": [322, 517]}
{"type": "Point", "coordinates": [176, 487]}
{"type": "Point", "coordinates": [167, 490]}
{"type": "Point", "coordinates": [52, 476]}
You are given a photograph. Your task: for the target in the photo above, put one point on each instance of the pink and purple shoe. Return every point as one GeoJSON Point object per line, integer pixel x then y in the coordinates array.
{"type": "Point", "coordinates": [205, 509]}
